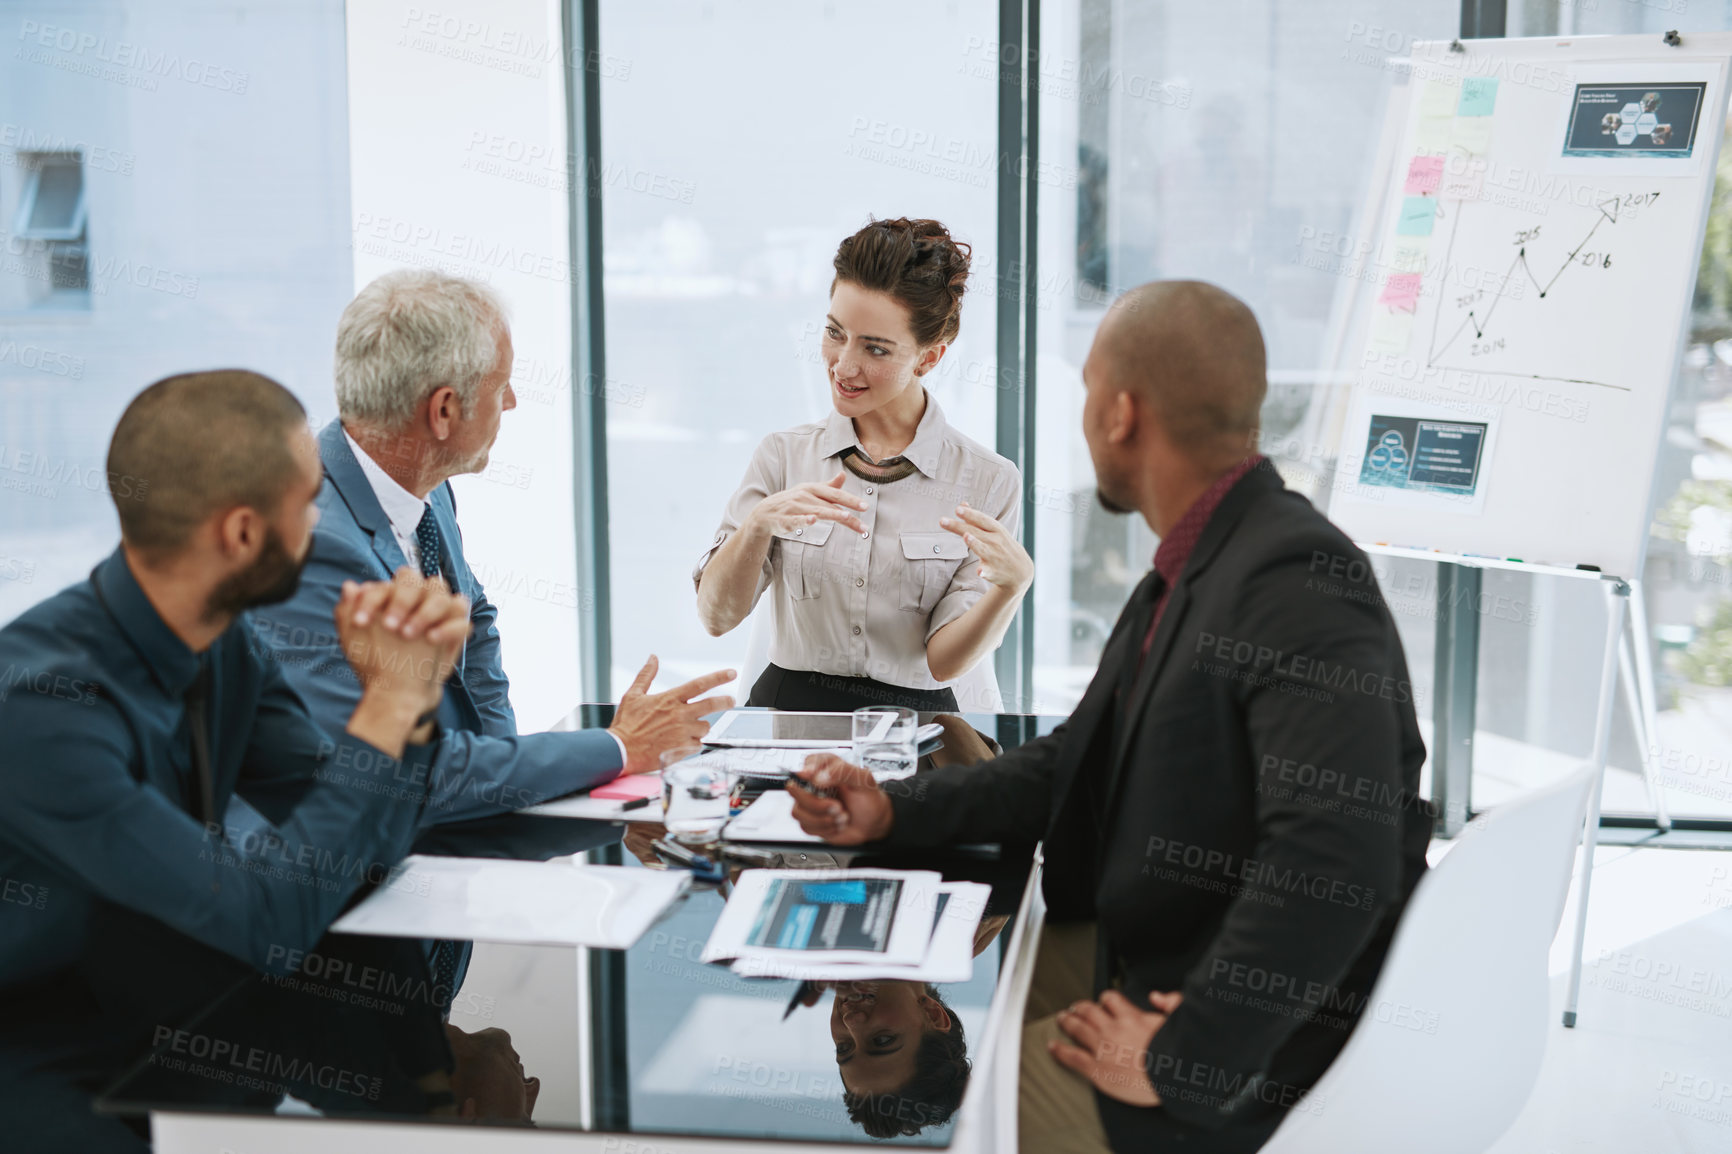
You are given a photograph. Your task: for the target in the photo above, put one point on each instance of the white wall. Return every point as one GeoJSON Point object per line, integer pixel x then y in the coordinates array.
{"type": "Point", "coordinates": [457, 147]}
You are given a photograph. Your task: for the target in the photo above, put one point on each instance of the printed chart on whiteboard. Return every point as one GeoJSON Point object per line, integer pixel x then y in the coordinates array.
{"type": "Point", "coordinates": [1539, 223]}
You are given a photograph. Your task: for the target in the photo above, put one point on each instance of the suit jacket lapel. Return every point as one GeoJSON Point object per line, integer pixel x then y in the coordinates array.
{"type": "Point", "coordinates": [344, 474]}
{"type": "Point", "coordinates": [1136, 701]}
{"type": "Point", "coordinates": [1257, 483]}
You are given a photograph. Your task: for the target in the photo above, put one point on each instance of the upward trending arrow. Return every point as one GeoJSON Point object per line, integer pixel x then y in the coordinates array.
{"type": "Point", "coordinates": [1612, 211]}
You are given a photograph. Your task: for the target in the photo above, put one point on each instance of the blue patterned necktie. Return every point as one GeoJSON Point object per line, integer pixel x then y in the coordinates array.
{"type": "Point", "coordinates": [444, 957]}
{"type": "Point", "coordinates": [443, 962]}
{"type": "Point", "coordinates": [427, 540]}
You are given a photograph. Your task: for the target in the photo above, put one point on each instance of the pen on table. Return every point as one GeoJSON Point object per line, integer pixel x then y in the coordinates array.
{"type": "Point", "coordinates": [814, 788]}
{"type": "Point", "coordinates": [636, 803]}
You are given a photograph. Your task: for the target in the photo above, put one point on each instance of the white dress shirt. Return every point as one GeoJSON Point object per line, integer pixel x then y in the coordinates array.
{"type": "Point", "coordinates": [404, 510]}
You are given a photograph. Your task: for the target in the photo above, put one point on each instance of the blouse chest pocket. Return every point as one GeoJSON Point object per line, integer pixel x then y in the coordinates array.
{"type": "Point", "coordinates": [929, 561]}
{"type": "Point", "coordinates": [802, 549]}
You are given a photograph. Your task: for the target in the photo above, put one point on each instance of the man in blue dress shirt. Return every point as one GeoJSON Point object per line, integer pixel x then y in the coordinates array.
{"type": "Point", "coordinates": [134, 707]}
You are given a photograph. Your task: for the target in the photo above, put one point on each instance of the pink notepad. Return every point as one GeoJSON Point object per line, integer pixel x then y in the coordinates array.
{"type": "Point", "coordinates": [629, 788]}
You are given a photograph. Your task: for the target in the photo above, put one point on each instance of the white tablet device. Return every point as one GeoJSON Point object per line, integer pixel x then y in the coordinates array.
{"type": "Point", "coordinates": [777, 729]}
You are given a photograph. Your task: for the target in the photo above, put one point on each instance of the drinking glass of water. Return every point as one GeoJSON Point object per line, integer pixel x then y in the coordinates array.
{"type": "Point", "coordinates": [890, 753]}
{"type": "Point", "coordinates": [694, 797]}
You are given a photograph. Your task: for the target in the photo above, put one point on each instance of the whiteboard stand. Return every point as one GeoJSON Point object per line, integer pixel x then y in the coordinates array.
{"type": "Point", "coordinates": [1642, 701]}
{"type": "Point", "coordinates": [1644, 723]}
{"type": "Point", "coordinates": [1617, 601]}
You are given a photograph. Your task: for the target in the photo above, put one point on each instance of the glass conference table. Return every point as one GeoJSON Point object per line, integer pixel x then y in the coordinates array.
{"type": "Point", "coordinates": [646, 1049]}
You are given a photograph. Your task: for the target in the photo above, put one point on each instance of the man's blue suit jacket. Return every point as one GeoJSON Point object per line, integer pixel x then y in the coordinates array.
{"type": "Point", "coordinates": [498, 769]}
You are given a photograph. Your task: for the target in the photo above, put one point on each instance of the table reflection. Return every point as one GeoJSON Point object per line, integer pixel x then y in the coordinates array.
{"type": "Point", "coordinates": [673, 1046]}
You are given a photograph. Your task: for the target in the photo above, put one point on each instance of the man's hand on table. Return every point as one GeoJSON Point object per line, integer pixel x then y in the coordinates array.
{"type": "Point", "coordinates": [650, 724]}
{"type": "Point", "coordinates": [858, 812]}
{"type": "Point", "coordinates": [1112, 1039]}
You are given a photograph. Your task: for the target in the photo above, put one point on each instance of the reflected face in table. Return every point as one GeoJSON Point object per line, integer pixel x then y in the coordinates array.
{"type": "Point", "coordinates": [489, 1080]}
{"type": "Point", "coordinates": [878, 1028]}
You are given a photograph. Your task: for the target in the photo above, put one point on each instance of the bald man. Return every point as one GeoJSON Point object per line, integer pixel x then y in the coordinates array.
{"type": "Point", "coordinates": [1231, 816]}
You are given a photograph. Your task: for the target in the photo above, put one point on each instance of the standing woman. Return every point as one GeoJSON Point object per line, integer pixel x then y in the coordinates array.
{"type": "Point", "coordinates": [888, 538]}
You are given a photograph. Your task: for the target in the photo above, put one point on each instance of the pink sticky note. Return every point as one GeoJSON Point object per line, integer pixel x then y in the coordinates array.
{"type": "Point", "coordinates": [1423, 175]}
{"type": "Point", "coordinates": [629, 788]}
{"type": "Point", "coordinates": [1401, 291]}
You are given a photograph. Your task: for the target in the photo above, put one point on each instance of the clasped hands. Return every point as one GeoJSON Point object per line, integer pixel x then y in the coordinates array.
{"type": "Point", "coordinates": [402, 637]}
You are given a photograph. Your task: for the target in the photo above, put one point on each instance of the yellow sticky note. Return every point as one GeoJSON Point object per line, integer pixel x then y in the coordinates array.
{"type": "Point", "coordinates": [1436, 98]}
{"type": "Point", "coordinates": [1409, 254]}
{"type": "Point", "coordinates": [1472, 134]}
{"type": "Point", "coordinates": [1390, 330]}
{"type": "Point", "coordinates": [1431, 134]}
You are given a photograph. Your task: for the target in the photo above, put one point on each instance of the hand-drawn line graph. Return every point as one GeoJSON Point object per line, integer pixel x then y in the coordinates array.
{"type": "Point", "coordinates": [1475, 334]}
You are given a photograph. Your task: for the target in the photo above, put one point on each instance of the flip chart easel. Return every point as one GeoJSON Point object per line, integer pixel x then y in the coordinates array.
{"type": "Point", "coordinates": [1524, 279]}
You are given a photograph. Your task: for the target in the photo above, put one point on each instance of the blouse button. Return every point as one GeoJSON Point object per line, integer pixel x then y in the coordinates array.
{"type": "Point", "coordinates": [868, 490]}
{"type": "Point", "coordinates": [856, 631]}
{"type": "Point", "coordinates": [866, 534]}
{"type": "Point", "coordinates": [859, 582]}
{"type": "Point", "coordinates": [936, 549]}
{"type": "Point", "coordinates": [799, 532]}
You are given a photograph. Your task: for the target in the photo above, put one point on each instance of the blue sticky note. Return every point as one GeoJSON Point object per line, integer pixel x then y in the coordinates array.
{"type": "Point", "coordinates": [1418, 214]}
{"type": "Point", "coordinates": [848, 893]}
{"type": "Point", "coordinates": [1478, 96]}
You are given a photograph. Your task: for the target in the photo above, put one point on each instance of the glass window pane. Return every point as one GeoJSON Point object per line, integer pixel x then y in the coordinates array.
{"type": "Point", "coordinates": [215, 184]}
{"type": "Point", "coordinates": [1233, 157]}
{"type": "Point", "coordinates": [1539, 668]}
{"type": "Point", "coordinates": [730, 173]}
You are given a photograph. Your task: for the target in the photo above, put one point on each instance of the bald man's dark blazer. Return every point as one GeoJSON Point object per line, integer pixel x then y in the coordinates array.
{"type": "Point", "coordinates": [1241, 819]}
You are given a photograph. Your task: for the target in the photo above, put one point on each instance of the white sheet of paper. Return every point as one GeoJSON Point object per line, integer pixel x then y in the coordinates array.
{"type": "Point", "coordinates": [910, 924]}
{"type": "Point", "coordinates": [770, 818]}
{"type": "Point", "coordinates": [551, 903]}
{"type": "Point", "coordinates": [949, 956]}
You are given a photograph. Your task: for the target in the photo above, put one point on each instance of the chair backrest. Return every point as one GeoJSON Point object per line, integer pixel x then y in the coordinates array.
{"type": "Point", "coordinates": [976, 691]}
{"type": "Point", "coordinates": [1451, 1040]}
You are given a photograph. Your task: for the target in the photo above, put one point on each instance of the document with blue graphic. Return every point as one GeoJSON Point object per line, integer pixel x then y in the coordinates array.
{"type": "Point", "coordinates": [880, 916]}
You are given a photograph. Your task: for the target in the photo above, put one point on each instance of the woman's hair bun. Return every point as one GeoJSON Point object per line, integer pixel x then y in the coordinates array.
{"type": "Point", "coordinates": [919, 264]}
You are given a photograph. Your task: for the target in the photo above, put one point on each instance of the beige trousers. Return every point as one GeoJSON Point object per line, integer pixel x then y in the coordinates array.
{"type": "Point", "coordinates": [1056, 1111]}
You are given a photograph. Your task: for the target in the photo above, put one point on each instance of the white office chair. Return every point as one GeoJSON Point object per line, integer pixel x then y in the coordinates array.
{"type": "Point", "coordinates": [976, 690]}
{"type": "Point", "coordinates": [1450, 1044]}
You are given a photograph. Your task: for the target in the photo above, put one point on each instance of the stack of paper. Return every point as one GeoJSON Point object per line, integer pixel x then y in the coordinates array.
{"type": "Point", "coordinates": [771, 819]}
{"type": "Point", "coordinates": [841, 925]}
{"type": "Point", "coordinates": [559, 902]}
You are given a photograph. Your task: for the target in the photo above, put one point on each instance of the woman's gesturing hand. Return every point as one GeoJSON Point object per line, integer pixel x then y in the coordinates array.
{"type": "Point", "coordinates": [809, 503]}
{"type": "Point", "coordinates": [1003, 560]}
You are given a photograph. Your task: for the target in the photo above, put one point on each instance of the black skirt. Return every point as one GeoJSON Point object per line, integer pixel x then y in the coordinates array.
{"type": "Point", "coordinates": [810, 692]}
